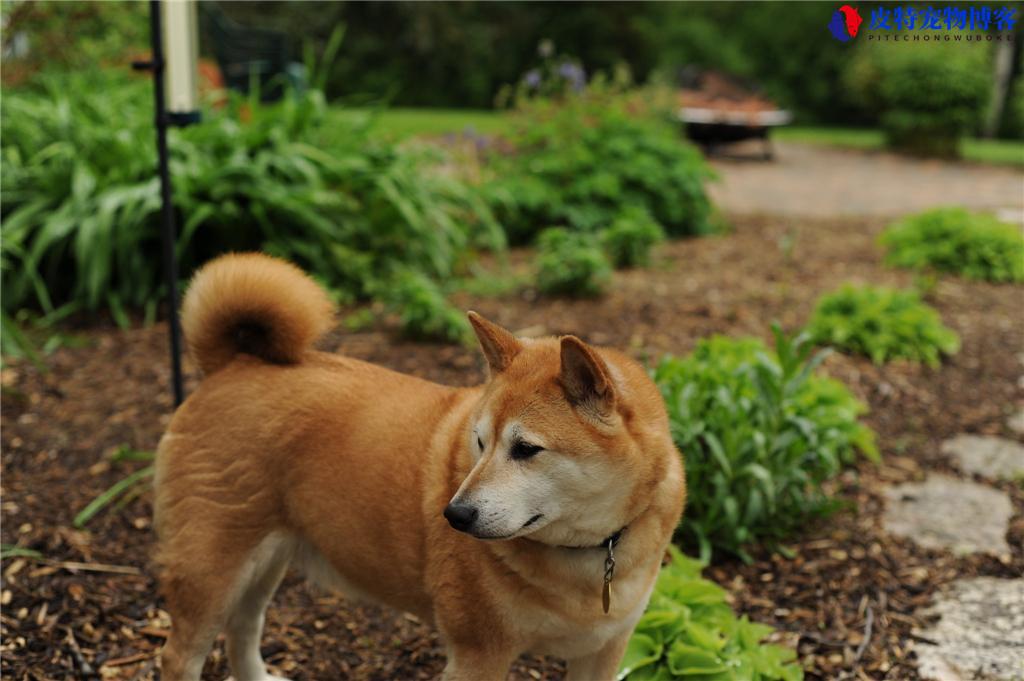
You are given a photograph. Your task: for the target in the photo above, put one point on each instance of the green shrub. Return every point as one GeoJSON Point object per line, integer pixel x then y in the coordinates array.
{"type": "Point", "coordinates": [81, 200]}
{"type": "Point", "coordinates": [689, 631]}
{"type": "Point", "coordinates": [929, 95]}
{"type": "Point", "coordinates": [760, 432]}
{"type": "Point", "coordinates": [581, 160]}
{"type": "Point", "coordinates": [629, 240]}
{"type": "Point", "coordinates": [974, 245]}
{"type": "Point", "coordinates": [883, 324]}
{"type": "Point", "coordinates": [423, 310]}
{"type": "Point", "coordinates": [571, 264]}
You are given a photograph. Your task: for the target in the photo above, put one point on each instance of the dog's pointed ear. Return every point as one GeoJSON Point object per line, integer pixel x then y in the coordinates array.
{"type": "Point", "coordinates": [585, 378]}
{"type": "Point", "coordinates": [498, 344]}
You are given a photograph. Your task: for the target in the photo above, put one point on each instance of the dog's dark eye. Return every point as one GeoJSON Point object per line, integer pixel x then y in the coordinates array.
{"type": "Point", "coordinates": [524, 450]}
{"type": "Point", "coordinates": [480, 443]}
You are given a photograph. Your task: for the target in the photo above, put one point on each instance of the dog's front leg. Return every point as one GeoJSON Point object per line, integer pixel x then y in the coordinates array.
{"type": "Point", "coordinates": [602, 665]}
{"type": "Point", "coordinates": [475, 664]}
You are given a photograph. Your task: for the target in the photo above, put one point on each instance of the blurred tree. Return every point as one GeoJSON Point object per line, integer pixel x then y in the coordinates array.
{"type": "Point", "coordinates": [70, 35]}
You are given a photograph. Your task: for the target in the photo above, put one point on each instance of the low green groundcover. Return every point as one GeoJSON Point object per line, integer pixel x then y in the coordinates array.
{"type": "Point", "coordinates": [883, 324]}
{"type": "Point", "coordinates": [973, 245]}
{"type": "Point", "coordinates": [690, 632]}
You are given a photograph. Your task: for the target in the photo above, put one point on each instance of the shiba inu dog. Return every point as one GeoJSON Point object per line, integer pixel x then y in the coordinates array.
{"type": "Point", "coordinates": [528, 514]}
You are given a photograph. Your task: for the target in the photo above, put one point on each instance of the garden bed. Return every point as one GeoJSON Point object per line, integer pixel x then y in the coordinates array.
{"type": "Point", "coordinates": [846, 599]}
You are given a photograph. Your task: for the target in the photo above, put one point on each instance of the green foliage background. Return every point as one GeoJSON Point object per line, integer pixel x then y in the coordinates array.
{"type": "Point", "coordinates": [580, 162]}
{"type": "Point", "coordinates": [80, 197]}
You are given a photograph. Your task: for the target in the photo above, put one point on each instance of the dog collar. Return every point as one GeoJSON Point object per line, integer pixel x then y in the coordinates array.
{"type": "Point", "coordinates": [611, 541]}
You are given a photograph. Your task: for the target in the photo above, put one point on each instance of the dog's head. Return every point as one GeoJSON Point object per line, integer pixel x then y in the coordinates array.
{"type": "Point", "coordinates": [568, 442]}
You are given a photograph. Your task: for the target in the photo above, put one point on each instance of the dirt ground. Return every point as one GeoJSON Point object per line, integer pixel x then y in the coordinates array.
{"type": "Point", "coordinates": [847, 598]}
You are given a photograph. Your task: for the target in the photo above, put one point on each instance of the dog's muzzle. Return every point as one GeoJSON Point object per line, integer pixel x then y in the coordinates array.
{"type": "Point", "coordinates": [461, 516]}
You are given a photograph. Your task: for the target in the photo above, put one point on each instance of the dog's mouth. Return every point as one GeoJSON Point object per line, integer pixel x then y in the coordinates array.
{"type": "Point", "coordinates": [513, 535]}
{"type": "Point", "coordinates": [532, 520]}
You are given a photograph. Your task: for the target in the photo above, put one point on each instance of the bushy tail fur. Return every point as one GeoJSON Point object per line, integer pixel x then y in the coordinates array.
{"type": "Point", "coordinates": [256, 304]}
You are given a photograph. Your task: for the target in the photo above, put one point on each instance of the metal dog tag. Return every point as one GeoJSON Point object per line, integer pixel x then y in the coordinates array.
{"type": "Point", "coordinates": [609, 572]}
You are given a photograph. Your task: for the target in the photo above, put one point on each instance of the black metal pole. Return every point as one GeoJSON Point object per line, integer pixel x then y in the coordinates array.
{"type": "Point", "coordinates": [167, 228]}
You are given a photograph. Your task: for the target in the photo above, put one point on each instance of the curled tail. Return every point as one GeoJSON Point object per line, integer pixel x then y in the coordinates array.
{"type": "Point", "coordinates": [255, 304]}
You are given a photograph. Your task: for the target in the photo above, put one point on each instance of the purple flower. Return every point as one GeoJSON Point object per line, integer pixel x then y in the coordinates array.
{"type": "Point", "coordinates": [573, 74]}
{"type": "Point", "coordinates": [532, 79]}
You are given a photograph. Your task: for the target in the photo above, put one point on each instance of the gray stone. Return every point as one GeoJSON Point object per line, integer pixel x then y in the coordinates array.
{"type": "Point", "coordinates": [1016, 422]}
{"type": "Point", "coordinates": [992, 457]}
{"type": "Point", "coordinates": [979, 633]}
{"type": "Point", "coordinates": [946, 513]}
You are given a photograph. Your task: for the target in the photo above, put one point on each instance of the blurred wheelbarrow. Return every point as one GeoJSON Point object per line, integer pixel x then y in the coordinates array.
{"type": "Point", "coordinates": [718, 109]}
{"type": "Point", "coordinates": [712, 128]}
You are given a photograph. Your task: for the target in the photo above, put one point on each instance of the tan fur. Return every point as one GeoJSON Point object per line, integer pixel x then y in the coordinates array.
{"type": "Point", "coordinates": [346, 468]}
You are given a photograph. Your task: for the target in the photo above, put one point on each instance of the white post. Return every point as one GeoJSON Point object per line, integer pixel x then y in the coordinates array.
{"type": "Point", "coordinates": [181, 57]}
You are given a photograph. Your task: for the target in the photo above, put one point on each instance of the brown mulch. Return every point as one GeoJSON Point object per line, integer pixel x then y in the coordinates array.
{"type": "Point", "coordinates": [847, 598]}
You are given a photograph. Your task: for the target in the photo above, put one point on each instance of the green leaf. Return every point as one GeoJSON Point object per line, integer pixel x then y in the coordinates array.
{"type": "Point", "coordinates": [107, 497]}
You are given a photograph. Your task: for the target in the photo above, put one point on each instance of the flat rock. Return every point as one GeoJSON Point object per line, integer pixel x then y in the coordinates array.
{"type": "Point", "coordinates": [992, 457]}
{"type": "Point", "coordinates": [979, 633]}
{"type": "Point", "coordinates": [944, 512]}
{"type": "Point", "coordinates": [1016, 422]}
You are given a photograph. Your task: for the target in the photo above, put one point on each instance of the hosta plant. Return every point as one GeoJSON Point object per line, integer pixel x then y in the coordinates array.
{"type": "Point", "coordinates": [690, 632]}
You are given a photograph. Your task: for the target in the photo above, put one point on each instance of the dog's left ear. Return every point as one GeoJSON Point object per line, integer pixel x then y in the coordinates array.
{"type": "Point", "coordinates": [498, 344]}
{"type": "Point", "coordinates": [585, 378]}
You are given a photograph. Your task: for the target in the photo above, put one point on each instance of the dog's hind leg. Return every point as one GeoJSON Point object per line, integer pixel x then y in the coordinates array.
{"type": "Point", "coordinates": [198, 605]}
{"type": "Point", "coordinates": [469, 664]}
{"type": "Point", "coordinates": [258, 582]}
{"type": "Point", "coordinates": [211, 589]}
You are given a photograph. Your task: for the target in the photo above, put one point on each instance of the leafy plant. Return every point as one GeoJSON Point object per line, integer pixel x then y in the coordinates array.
{"type": "Point", "coordinates": [80, 198]}
{"type": "Point", "coordinates": [883, 324]}
{"type": "Point", "coordinates": [930, 95]}
{"type": "Point", "coordinates": [974, 245]}
{"type": "Point", "coordinates": [629, 240]}
{"type": "Point", "coordinates": [581, 160]}
{"type": "Point", "coordinates": [424, 312]}
{"type": "Point", "coordinates": [571, 264]}
{"type": "Point", "coordinates": [760, 432]}
{"type": "Point", "coordinates": [690, 632]}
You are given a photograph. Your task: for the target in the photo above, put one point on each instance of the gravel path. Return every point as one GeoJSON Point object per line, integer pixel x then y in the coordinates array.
{"type": "Point", "coordinates": [817, 181]}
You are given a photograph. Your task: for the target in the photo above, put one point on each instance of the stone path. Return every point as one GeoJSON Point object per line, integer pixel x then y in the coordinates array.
{"type": "Point", "coordinates": [978, 632]}
{"type": "Point", "coordinates": [819, 181]}
{"type": "Point", "coordinates": [944, 512]}
{"type": "Point", "coordinates": [1016, 422]}
{"type": "Point", "coordinates": [991, 457]}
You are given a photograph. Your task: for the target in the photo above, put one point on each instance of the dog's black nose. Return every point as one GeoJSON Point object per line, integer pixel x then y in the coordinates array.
{"type": "Point", "coordinates": [461, 516]}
